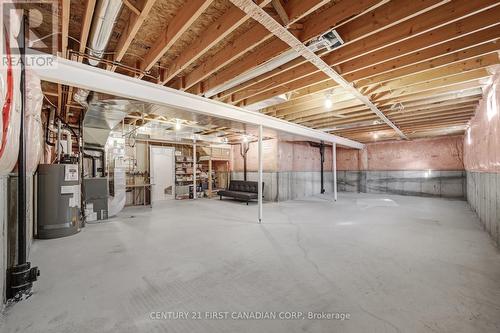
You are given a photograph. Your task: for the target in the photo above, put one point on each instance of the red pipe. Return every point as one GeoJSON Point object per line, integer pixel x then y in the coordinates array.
{"type": "Point", "coordinates": [10, 93]}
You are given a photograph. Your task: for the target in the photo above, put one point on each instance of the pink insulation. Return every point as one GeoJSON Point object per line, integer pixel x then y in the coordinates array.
{"type": "Point", "coordinates": [270, 156]}
{"type": "Point", "coordinates": [348, 159]}
{"type": "Point", "coordinates": [482, 139]}
{"type": "Point", "coordinates": [301, 156]}
{"type": "Point", "coordinates": [444, 153]}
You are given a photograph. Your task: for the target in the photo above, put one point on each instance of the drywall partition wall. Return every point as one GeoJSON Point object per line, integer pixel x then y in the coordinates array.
{"type": "Point", "coordinates": [425, 167]}
{"type": "Point", "coordinates": [482, 159]}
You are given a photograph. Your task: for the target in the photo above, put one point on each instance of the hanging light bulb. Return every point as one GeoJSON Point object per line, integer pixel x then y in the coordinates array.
{"type": "Point", "coordinates": [245, 138]}
{"type": "Point", "coordinates": [375, 136]}
{"type": "Point", "coordinates": [328, 101]}
{"type": "Point", "coordinates": [178, 125]}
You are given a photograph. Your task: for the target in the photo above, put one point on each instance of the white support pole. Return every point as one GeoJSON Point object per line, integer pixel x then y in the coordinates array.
{"type": "Point", "coordinates": [194, 170]}
{"type": "Point", "coordinates": [259, 193]}
{"type": "Point", "coordinates": [334, 167]}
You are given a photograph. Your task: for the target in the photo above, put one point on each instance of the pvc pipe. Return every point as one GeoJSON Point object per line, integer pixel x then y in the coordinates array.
{"type": "Point", "coordinates": [194, 170]}
{"type": "Point", "coordinates": [334, 166]}
{"type": "Point", "coordinates": [259, 192]}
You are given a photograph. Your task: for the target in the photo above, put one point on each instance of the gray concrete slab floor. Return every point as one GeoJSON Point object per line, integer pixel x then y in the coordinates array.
{"type": "Point", "coordinates": [393, 263]}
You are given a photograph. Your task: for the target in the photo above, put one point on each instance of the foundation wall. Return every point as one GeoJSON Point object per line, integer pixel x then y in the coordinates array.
{"type": "Point", "coordinates": [482, 160]}
{"type": "Point", "coordinates": [426, 167]}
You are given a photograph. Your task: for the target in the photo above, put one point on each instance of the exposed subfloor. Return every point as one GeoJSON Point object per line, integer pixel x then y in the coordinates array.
{"type": "Point", "coordinates": [394, 263]}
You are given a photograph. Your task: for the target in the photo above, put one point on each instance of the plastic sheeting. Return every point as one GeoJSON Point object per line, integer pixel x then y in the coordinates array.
{"type": "Point", "coordinates": [33, 125]}
{"type": "Point", "coordinates": [482, 138]}
{"type": "Point", "coordinates": [8, 157]}
{"type": "Point", "coordinates": [117, 202]}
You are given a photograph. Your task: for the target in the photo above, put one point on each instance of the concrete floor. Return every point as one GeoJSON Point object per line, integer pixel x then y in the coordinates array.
{"type": "Point", "coordinates": [394, 263]}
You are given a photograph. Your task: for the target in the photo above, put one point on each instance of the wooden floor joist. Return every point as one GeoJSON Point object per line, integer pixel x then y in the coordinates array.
{"type": "Point", "coordinates": [418, 65]}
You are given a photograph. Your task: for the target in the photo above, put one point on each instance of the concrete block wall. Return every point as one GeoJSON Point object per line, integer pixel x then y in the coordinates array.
{"type": "Point", "coordinates": [290, 185]}
{"type": "Point", "coordinates": [483, 195]}
{"type": "Point", "coordinates": [448, 184]}
{"type": "Point", "coordinates": [294, 184]}
{"type": "Point", "coordinates": [269, 179]}
{"type": "Point", "coordinates": [482, 159]}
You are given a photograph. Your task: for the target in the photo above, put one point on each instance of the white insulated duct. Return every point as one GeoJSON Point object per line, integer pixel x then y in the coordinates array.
{"type": "Point", "coordinates": [285, 57]}
{"type": "Point", "coordinates": [105, 17]}
{"type": "Point", "coordinates": [258, 14]}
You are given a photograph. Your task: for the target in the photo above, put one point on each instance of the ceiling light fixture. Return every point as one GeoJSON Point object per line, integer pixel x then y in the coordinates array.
{"type": "Point", "coordinates": [178, 125]}
{"type": "Point", "coordinates": [375, 136]}
{"type": "Point", "coordinates": [328, 101]}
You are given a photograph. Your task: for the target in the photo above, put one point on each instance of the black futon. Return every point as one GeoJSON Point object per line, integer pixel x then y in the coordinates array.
{"type": "Point", "coordinates": [241, 190]}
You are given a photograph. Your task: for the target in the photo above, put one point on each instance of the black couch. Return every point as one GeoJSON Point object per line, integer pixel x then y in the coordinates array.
{"type": "Point", "coordinates": [241, 190]}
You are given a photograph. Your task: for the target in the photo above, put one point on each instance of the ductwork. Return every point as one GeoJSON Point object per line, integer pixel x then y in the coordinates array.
{"type": "Point", "coordinates": [255, 12]}
{"type": "Point", "coordinates": [329, 40]}
{"type": "Point", "coordinates": [105, 17]}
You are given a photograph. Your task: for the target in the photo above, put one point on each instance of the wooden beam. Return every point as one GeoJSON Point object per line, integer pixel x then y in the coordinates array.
{"type": "Point", "coordinates": [319, 119]}
{"type": "Point", "coordinates": [217, 31]}
{"type": "Point", "coordinates": [263, 18]}
{"type": "Point", "coordinates": [179, 24]}
{"type": "Point", "coordinates": [132, 8]}
{"type": "Point", "coordinates": [87, 21]}
{"type": "Point", "coordinates": [411, 102]}
{"type": "Point", "coordinates": [130, 31]}
{"type": "Point", "coordinates": [336, 14]}
{"type": "Point", "coordinates": [65, 27]}
{"type": "Point", "coordinates": [300, 8]}
{"type": "Point", "coordinates": [250, 39]}
{"type": "Point", "coordinates": [437, 36]}
{"type": "Point", "coordinates": [279, 7]}
{"type": "Point", "coordinates": [435, 73]}
{"type": "Point", "coordinates": [432, 84]}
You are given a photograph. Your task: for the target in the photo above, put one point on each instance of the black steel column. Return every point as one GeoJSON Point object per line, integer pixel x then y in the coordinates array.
{"type": "Point", "coordinates": [322, 155]}
{"type": "Point", "coordinates": [20, 278]}
{"type": "Point", "coordinates": [21, 162]}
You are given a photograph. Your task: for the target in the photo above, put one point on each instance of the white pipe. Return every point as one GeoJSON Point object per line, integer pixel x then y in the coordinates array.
{"type": "Point", "coordinates": [194, 170]}
{"type": "Point", "coordinates": [58, 141]}
{"type": "Point", "coordinates": [334, 167]}
{"type": "Point", "coordinates": [65, 132]}
{"type": "Point", "coordinates": [259, 192]}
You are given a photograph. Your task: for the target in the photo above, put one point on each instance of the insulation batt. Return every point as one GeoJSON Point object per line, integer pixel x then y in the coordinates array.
{"type": "Point", "coordinates": [8, 158]}
{"type": "Point", "coordinates": [33, 121]}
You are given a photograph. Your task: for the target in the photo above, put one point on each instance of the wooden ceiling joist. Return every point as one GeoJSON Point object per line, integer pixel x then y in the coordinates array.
{"type": "Point", "coordinates": [302, 76]}
{"type": "Point", "coordinates": [179, 24]}
{"type": "Point", "coordinates": [252, 38]}
{"type": "Point", "coordinates": [132, 27]}
{"type": "Point", "coordinates": [229, 22]}
{"type": "Point", "coordinates": [349, 32]}
{"type": "Point", "coordinates": [263, 18]}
